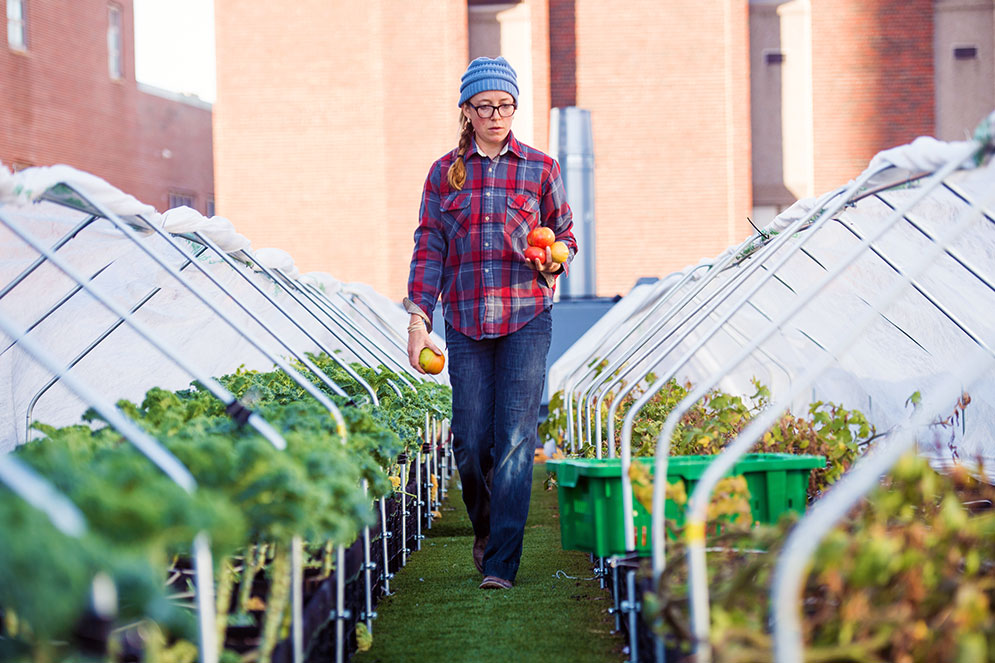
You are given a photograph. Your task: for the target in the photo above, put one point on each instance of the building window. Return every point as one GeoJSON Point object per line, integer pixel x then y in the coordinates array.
{"type": "Point", "coordinates": [16, 32]}
{"type": "Point", "coordinates": [209, 207]}
{"type": "Point", "coordinates": [180, 200]}
{"type": "Point", "coordinates": [114, 65]}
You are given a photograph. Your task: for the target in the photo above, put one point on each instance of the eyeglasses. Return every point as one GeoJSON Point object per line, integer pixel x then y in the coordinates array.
{"type": "Point", "coordinates": [485, 111]}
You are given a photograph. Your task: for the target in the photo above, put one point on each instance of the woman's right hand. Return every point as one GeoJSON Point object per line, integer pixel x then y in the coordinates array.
{"type": "Point", "coordinates": [417, 340]}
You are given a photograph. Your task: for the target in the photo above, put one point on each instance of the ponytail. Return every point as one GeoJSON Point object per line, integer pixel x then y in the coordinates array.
{"type": "Point", "coordinates": [457, 171]}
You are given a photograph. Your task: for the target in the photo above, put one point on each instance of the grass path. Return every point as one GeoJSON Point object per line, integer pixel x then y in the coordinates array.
{"type": "Point", "coordinates": [437, 614]}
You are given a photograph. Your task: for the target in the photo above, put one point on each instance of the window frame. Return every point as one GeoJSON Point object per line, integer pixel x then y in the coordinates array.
{"type": "Point", "coordinates": [176, 199]}
{"type": "Point", "coordinates": [20, 24]}
{"type": "Point", "coordinates": [115, 41]}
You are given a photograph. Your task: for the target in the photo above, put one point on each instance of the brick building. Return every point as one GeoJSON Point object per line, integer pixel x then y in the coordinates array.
{"type": "Point", "coordinates": [703, 113]}
{"type": "Point", "coordinates": [68, 95]}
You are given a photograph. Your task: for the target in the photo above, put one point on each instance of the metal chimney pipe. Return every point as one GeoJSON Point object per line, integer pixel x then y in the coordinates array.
{"type": "Point", "coordinates": [572, 144]}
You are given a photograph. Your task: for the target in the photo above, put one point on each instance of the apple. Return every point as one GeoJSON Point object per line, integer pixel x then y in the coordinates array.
{"type": "Point", "coordinates": [535, 253]}
{"type": "Point", "coordinates": [431, 362]}
{"type": "Point", "coordinates": [541, 237]}
{"type": "Point", "coordinates": [560, 252]}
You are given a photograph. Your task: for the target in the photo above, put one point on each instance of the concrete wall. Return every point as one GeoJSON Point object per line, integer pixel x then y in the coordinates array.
{"type": "Point", "coordinates": [965, 85]}
{"type": "Point", "coordinates": [58, 104]}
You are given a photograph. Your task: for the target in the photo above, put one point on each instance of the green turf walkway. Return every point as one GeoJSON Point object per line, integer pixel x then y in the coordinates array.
{"type": "Point", "coordinates": [437, 614]}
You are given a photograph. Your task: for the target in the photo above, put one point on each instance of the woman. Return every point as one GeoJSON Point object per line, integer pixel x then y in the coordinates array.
{"type": "Point", "coordinates": [479, 203]}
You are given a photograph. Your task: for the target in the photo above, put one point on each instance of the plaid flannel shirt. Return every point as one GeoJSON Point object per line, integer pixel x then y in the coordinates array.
{"type": "Point", "coordinates": [470, 244]}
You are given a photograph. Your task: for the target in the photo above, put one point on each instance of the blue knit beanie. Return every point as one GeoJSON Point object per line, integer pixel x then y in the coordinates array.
{"type": "Point", "coordinates": [486, 74]}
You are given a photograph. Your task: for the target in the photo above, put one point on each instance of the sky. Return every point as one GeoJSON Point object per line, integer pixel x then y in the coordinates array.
{"type": "Point", "coordinates": [174, 46]}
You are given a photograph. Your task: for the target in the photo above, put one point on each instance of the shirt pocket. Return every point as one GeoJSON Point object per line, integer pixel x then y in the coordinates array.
{"type": "Point", "coordinates": [521, 217]}
{"type": "Point", "coordinates": [456, 215]}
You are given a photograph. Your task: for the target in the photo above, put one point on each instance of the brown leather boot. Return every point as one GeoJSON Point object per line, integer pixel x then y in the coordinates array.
{"type": "Point", "coordinates": [479, 545]}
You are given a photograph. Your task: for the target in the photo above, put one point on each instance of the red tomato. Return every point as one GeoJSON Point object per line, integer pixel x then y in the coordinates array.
{"type": "Point", "coordinates": [535, 253]}
{"type": "Point", "coordinates": [541, 237]}
{"type": "Point", "coordinates": [431, 362]}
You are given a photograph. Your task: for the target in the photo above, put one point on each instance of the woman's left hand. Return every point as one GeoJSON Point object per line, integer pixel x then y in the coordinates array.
{"type": "Point", "coordinates": [549, 266]}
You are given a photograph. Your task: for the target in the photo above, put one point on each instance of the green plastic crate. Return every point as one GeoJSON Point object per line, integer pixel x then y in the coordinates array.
{"type": "Point", "coordinates": [590, 495]}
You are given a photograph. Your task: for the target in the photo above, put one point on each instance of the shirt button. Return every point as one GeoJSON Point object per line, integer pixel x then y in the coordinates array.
{"type": "Point", "coordinates": [486, 271]}
{"type": "Point", "coordinates": [487, 218]}
{"type": "Point", "coordinates": [487, 243]}
{"type": "Point", "coordinates": [488, 193]}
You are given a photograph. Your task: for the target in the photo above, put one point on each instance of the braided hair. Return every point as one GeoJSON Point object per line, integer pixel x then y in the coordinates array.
{"type": "Point", "coordinates": [457, 171]}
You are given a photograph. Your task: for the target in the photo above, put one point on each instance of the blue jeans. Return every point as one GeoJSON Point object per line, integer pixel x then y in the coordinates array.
{"type": "Point", "coordinates": [497, 391]}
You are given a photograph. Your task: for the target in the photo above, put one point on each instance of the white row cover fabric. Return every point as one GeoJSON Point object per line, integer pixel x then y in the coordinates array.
{"type": "Point", "coordinates": [935, 326]}
{"type": "Point", "coordinates": [30, 184]}
{"type": "Point", "coordinates": [124, 365]}
{"type": "Point", "coordinates": [218, 229]}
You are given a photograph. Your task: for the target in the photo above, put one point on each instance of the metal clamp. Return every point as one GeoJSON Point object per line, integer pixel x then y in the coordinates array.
{"type": "Point", "coordinates": [627, 606]}
{"type": "Point", "coordinates": [346, 614]}
{"type": "Point", "coordinates": [369, 566]}
{"type": "Point", "coordinates": [363, 616]}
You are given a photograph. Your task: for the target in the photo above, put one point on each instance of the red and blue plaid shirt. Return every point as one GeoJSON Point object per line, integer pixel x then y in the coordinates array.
{"type": "Point", "coordinates": [470, 244]}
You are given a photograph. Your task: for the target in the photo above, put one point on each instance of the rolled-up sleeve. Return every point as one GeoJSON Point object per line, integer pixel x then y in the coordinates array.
{"type": "Point", "coordinates": [429, 255]}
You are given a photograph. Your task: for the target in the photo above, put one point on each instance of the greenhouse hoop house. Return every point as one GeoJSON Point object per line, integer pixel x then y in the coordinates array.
{"type": "Point", "coordinates": [103, 301]}
{"type": "Point", "coordinates": [874, 297]}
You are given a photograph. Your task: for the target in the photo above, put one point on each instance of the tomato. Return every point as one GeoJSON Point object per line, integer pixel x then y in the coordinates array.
{"type": "Point", "coordinates": [431, 362]}
{"type": "Point", "coordinates": [535, 253]}
{"type": "Point", "coordinates": [541, 237]}
{"type": "Point", "coordinates": [560, 252]}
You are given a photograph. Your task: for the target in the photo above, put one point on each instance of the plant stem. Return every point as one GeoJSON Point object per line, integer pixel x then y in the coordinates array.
{"type": "Point", "coordinates": [328, 562]}
{"type": "Point", "coordinates": [255, 558]}
{"type": "Point", "coordinates": [276, 602]}
{"type": "Point", "coordinates": [226, 584]}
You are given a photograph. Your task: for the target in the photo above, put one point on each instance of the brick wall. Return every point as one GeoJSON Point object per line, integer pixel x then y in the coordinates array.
{"type": "Point", "coordinates": [873, 82]}
{"type": "Point", "coordinates": [327, 120]}
{"type": "Point", "coordinates": [59, 105]}
{"type": "Point", "coordinates": [668, 93]}
{"type": "Point", "coordinates": [563, 53]}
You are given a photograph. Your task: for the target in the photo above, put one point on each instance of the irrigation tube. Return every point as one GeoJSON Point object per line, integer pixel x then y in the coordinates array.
{"type": "Point", "coordinates": [660, 292]}
{"type": "Point", "coordinates": [234, 408]}
{"type": "Point", "coordinates": [699, 499]}
{"type": "Point", "coordinates": [328, 382]}
{"type": "Point", "coordinates": [804, 539]}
